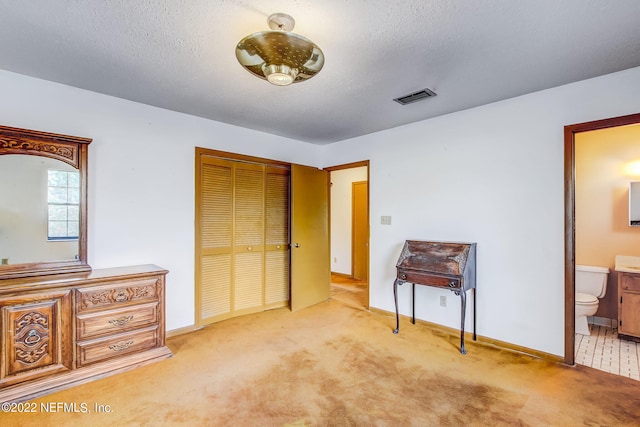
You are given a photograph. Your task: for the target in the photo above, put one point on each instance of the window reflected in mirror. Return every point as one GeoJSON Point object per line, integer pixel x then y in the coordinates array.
{"type": "Point", "coordinates": [63, 199]}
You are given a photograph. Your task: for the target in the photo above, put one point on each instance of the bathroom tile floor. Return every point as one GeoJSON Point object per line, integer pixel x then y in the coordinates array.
{"type": "Point", "coordinates": [603, 350]}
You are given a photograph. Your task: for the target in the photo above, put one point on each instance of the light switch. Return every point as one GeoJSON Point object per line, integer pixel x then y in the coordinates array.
{"type": "Point", "coordinates": [385, 220]}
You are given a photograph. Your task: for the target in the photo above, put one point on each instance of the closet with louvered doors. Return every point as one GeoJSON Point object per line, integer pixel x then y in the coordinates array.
{"type": "Point", "coordinates": [242, 238]}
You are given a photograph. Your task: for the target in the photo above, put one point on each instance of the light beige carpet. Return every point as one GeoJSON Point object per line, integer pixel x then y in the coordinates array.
{"type": "Point", "coordinates": [337, 365]}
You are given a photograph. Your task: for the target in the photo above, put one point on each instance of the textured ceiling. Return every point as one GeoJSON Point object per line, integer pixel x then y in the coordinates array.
{"type": "Point", "coordinates": [180, 55]}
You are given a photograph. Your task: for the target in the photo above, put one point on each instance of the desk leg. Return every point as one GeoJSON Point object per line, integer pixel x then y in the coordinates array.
{"type": "Point", "coordinates": [463, 304]}
{"type": "Point", "coordinates": [413, 303]}
{"type": "Point", "coordinates": [395, 297]}
{"type": "Point", "coordinates": [473, 290]}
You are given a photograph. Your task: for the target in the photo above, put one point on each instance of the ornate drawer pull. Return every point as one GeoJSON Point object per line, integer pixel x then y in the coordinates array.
{"type": "Point", "coordinates": [121, 321]}
{"type": "Point", "coordinates": [121, 296]}
{"type": "Point", "coordinates": [121, 346]}
{"type": "Point", "coordinates": [452, 284]}
{"type": "Point", "coordinates": [32, 338]}
{"type": "Point", "coordinates": [403, 276]}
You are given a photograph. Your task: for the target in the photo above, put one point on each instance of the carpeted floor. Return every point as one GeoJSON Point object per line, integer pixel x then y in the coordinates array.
{"type": "Point", "coordinates": [348, 291]}
{"type": "Point", "coordinates": [339, 365]}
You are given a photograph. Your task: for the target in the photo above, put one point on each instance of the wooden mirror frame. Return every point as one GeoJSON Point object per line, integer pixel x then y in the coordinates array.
{"type": "Point", "coordinates": [69, 149]}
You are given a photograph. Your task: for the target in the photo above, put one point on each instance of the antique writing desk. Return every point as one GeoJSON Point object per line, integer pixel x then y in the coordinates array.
{"type": "Point", "coordinates": [444, 265]}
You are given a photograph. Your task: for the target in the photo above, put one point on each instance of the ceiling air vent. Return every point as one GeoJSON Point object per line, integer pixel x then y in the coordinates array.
{"type": "Point", "coordinates": [416, 96]}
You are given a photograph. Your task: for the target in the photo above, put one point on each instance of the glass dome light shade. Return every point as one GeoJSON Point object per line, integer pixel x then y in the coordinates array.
{"type": "Point", "coordinates": [279, 75]}
{"type": "Point", "coordinates": [283, 55]}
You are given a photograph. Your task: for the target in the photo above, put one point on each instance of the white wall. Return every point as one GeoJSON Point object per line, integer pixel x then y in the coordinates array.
{"type": "Point", "coordinates": [491, 175]}
{"type": "Point", "coordinates": [341, 217]}
{"type": "Point", "coordinates": [141, 173]}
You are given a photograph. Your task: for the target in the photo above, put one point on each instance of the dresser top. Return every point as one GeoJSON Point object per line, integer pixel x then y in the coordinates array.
{"type": "Point", "coordinates": [71, 279]}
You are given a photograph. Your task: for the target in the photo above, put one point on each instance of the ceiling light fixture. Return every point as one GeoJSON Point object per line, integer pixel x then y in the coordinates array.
{"type": "Point", "coordinates": [280, 56]}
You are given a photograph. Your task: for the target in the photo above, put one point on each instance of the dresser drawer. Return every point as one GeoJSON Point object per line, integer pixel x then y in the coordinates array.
{"type": "Point", "coordinates": [629, 282]}
{"type": "Point", "coordinates": [97, 324]}
{"type": "Point", "coordinates": [105, 348]}
{"type": "Point", "coordinates": [427, 279]}
{"type": "Point", "coordinates": [117, 294]}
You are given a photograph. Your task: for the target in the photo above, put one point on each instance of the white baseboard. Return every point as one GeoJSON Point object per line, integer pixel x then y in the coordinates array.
{"type": "Point", "coordinates": [180, 331]}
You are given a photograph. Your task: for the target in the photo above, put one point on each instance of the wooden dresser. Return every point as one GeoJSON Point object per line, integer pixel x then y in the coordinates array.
{"type": "Point", "coordinates": [64, 329]}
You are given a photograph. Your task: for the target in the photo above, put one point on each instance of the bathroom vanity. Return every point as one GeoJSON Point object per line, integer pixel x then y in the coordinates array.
{"type": "Point", "coordinates": [628, 269]}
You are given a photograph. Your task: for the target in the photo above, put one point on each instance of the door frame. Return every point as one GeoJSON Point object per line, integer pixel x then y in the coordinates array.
{"type": "Point", "coordinates": [351, 166]}
{"type": "Point", "coordinates": [569, 221]}
{"type": "Point", "coordinates": [353, 228]}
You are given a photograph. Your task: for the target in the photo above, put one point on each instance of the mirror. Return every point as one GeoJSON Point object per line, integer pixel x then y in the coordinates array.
{"type": "Point", "coordinates": [43, 200]}
{"type": "Point", "coordinates": [634, 204]}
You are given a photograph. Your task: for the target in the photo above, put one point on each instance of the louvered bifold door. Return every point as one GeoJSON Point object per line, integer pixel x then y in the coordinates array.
{"type": "Point", "coordinates": [214, 238]}
{"type": "Point", "coordinates": [249, 188]}
{"type": "Point", "coordinates": [242, 238]}
{"type": "Point", "coordinates": [277, 238]}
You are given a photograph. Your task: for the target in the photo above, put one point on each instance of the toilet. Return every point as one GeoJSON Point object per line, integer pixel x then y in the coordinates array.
{"type": "Point", "coordinates": [591, 284]}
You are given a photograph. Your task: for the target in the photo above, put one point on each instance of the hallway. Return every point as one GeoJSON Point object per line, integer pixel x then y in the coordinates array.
{"type": "Point", "coordinates": [349, 291]}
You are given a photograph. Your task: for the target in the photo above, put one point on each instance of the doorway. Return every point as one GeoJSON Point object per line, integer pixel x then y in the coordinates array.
{"type": "Point", "coordinates": [570, 223]}
{"type": "Point", "coordinates": [349, 225]}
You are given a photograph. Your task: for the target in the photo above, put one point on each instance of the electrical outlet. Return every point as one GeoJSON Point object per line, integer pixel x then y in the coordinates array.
{"type": "Point", "coordinates": [443, 301]}
{"type": "Point", "coordinates": [385, 220]}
